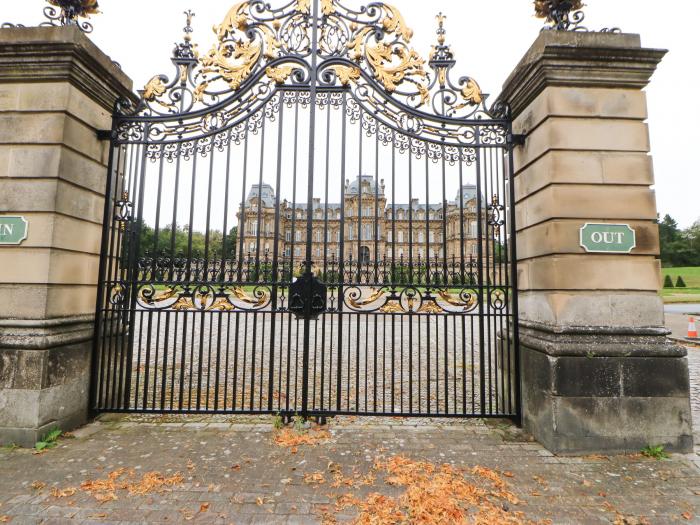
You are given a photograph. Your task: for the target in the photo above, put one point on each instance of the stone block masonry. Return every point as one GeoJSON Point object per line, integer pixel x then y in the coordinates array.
{"type": "Point", "coordinates": [598, 372]}
{"type": "Point", "coordinates": [57, 89]}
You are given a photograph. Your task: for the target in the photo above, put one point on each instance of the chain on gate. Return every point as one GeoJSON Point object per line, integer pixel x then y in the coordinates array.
{"type": "Point", "coordinates": [307, 219]}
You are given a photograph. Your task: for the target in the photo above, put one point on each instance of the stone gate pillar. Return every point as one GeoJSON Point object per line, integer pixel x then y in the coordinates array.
{"type": "Point", "coordinates": [56, 90]}
{"type": "Point", "coordinates": [598, 372]}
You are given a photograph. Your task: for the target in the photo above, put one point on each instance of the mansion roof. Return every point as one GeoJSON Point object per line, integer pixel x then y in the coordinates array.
{"type": "Point", "coordinates": [367, 185]}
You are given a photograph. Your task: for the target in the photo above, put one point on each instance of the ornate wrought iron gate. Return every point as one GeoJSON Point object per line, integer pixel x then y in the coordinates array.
{"type": "Point", "coordinates": [305, 219]}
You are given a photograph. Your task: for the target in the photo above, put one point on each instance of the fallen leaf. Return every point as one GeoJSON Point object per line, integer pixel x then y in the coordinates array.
{"type": "Point", "coordinates": [315, 478]}
{"type": "Point", "coordinates": [687, 516]}
{"type": "Point", "coordinates": [204, 507]}
{"type": "Point", "coordinates": [4, 519]}
{"type": "Point", "coordinates": [99, 515]}
{"type": "Point", "coordinates": [38, 485]}
{"type": "Point", "coordinates": [187, 514]}
{"type": "Point", "coordinates": [65, 493]}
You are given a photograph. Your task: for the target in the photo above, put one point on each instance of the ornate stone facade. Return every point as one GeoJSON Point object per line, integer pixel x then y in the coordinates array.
{"type": "Point", "coordinates": [373, 228]}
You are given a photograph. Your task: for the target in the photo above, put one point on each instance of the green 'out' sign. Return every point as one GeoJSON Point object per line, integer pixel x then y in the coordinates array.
{"type": "Point", "coordinates": [13, 230]}
{"type": "Point", "coordinates": [608, 238]}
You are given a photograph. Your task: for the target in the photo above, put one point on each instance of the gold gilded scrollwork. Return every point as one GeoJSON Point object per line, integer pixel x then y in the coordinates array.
{"type": "Point", "coordinates": [248, 40]}
{"type": "Point", "coordinates": [304, 6]}
{"type": "Point", "coordinates": [279, 74]}
{"type": "Point", "coordinates": [184, 303]}
{"type": "Point", "coordinates": [393, 63]}
{"type": "Point", "coordinates": [218, 61]}
{"type": "Point", "coordinates": [471, 93]}
{"type": "Point", "coordinates": [392, 308]}
{"type": "Point", "coordinates": [169, 293]}
{"type": "Point", "coordinates": [234, 19]}
{"type": "Point", "coordinates": [395, 23]}
{"type": "Point", "coordinates": [449, 299]}
{"type": "Point", "coordinates": [327, 7]}
{"type": "Point", "coordinates": [242, 296]}
{"type": "Point", "coordinates": [429, 307]}
{"type": "Point", "coordinates": [346, 74]}
{"type": "Point", "coordinates": [235, 56]}
{"type": "Point", "coordinates": [154, 89]}
{"type": "Point", "coordinates": [380, 57]}
{"type": "Point", "coordinates": [222, 304]}
{"type": "Point", "coordinates": [374, 296]}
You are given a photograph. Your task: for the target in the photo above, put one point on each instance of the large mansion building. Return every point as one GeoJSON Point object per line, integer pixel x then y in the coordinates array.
{"type": "Point", "coordinates": [370, 224]}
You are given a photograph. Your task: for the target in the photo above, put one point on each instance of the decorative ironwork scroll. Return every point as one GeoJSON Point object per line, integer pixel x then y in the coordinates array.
{"type": "Point", "coordinates": [368, 49]}
{"type": "Point", "coordinates": [67, 12]}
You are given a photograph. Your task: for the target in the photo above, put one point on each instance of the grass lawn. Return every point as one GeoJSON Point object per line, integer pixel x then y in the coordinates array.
{"type": "Point", "coordinates": [691, 294]}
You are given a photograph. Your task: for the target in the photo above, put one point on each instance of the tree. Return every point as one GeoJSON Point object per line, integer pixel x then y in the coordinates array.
{"type": "Point", "coordinates": [680, 283]}
{"type": "Point", "coordinates": [668, 282]}
{"type": "Point", "coordinates": [679, 247]}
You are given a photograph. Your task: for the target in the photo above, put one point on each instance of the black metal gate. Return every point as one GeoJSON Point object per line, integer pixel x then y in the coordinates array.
{"type": "Point", "coordinates": [309, 219]}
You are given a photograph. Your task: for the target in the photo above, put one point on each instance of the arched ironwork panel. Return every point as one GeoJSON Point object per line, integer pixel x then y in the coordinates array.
{"type": "Point", "coordinates": [309, 218]}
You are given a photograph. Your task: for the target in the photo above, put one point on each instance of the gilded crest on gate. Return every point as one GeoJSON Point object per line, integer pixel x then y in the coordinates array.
{"type": "Point", "coordinates": [259, 47]}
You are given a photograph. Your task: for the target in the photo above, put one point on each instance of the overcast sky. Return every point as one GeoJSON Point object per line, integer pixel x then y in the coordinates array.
{"type": "Point", "coordinates": [488, 37]}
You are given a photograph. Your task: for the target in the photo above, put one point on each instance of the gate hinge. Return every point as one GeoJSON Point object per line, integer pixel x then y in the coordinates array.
{"type": "Point", "coordinates": [104, 134]}
{"type": "Point", "coordinates": [515, 139]}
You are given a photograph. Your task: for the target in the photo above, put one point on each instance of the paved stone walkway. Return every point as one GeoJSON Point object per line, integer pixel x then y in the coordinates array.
{"type": "Point", "coordinates": [234, 472]}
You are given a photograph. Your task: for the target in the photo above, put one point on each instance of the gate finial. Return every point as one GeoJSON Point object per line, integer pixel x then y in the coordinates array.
{"type": "Point", "coordinates": [185, 49]}
{"type": "Point", "coordinates": [442, 61]}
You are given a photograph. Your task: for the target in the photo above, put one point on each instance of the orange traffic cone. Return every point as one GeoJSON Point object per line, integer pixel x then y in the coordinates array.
{"type": "Point", "coordinates": [692, 330]}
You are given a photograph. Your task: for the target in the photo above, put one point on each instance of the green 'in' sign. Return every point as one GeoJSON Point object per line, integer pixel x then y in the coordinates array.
{"type": "Point", "coordinates": [608, 238]}
{"type": "Point", "coordinates": [13, 230]}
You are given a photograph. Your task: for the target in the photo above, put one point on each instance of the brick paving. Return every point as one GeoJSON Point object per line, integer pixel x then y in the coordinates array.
{"type": "Point", "coordinates": [235, 473]}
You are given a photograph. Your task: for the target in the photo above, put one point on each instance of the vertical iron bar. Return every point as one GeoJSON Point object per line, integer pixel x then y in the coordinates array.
{"type": "Point", "coordinates": [514, 282]}
{"type": "Point", "coordinates": [275, 252]}
{"type": "Point", "coordinates": [310, 195]}
{"type": "Point", "coordinates": [100, 303]}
